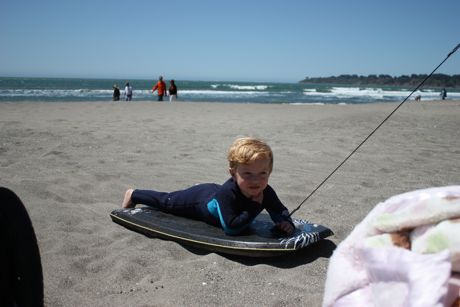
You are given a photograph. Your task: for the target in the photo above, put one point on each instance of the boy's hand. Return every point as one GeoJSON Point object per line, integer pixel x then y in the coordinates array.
{"type": "Point", "coordinates": [286, 227]}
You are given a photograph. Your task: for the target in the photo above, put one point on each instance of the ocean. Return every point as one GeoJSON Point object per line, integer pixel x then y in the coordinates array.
{"type": "Point", "coordinates": [72, 90]}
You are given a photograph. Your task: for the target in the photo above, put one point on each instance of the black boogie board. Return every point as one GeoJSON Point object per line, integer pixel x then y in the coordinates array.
{"type": "Point", "coordinates": [259, 240]}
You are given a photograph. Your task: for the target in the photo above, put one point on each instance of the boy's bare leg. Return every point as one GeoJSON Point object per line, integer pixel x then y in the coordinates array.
{"type": "Point", "coordinates": [127, 202]}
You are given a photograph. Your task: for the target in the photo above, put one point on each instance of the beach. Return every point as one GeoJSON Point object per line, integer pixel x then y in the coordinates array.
{"type": "Point", "coordinates": [71, 162]}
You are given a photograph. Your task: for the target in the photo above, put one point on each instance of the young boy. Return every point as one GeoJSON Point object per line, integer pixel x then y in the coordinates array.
{"type": "Point", "coordinates": [233, 205]}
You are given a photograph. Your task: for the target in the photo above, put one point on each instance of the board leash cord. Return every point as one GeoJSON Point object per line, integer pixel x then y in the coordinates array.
{"type": "Point", "coordinates": [373, 131]}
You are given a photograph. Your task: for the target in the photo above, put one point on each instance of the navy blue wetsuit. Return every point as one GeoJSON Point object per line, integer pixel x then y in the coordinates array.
{"type": "Point", "coordinates": [219, 205]}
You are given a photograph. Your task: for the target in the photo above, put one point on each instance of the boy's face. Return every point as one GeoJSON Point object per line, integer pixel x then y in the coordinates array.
{"type": "Point", "coordinates": [252, 178]}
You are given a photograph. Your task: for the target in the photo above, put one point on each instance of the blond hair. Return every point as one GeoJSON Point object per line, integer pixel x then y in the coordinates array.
{"type": "Point", "coordinates": [247, 149]}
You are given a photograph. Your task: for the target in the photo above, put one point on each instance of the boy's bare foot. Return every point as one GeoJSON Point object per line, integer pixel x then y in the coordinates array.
{"type": "Point", "coordinates": [127, 202]}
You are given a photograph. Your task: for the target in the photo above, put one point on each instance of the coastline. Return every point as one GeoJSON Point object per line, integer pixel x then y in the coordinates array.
{"type": "Point", "coordinates": [70, 164]}
{"type": "Point", "coordinates": [81, 90]}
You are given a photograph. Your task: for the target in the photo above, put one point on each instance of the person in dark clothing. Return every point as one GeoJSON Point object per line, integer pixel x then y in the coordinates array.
{"type": "Point", "coordinates": [233, 205]}
{"type": "Point", "coordinates": [443, 94]}
{"type": "Point", "coordinates": [172, 91]}
{"type": "Point", "coordinates": [116, 93]}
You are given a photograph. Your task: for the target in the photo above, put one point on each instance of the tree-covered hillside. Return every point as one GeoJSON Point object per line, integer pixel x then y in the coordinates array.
{"type": "Point", "coordinates": [436, 80]}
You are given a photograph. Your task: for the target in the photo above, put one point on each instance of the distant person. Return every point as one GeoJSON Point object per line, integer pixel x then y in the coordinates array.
{"type": "Point", "coordinates": [160, 87]}
{"type": "Point", "coordinates": [443, 94]}
{"type": "Point", "coordinates": [172, 91]}
{"type": "Point", "coordinates": [116, 93]}
{"type": "Point", "coordinates": [128, 92]}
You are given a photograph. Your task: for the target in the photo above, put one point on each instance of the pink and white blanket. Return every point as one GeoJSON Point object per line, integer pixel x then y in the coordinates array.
{"type": "Point", "coordinates": [406, 252]}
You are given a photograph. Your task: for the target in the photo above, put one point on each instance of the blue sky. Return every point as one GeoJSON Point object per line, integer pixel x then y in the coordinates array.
{"type": "Point", "coordinates": [238, 40]}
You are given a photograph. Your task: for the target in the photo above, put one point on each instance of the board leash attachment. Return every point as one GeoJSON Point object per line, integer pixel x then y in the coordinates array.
{"type": "Point", "coordinates": [360, 144]}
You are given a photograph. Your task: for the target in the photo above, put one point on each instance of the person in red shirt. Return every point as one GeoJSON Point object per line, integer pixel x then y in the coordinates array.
{"type": "Point", "coordinates": [160, 87]}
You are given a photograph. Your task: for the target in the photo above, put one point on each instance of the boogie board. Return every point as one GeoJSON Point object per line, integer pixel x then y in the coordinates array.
{"type": "Point", "coordinates": [259, 240]}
